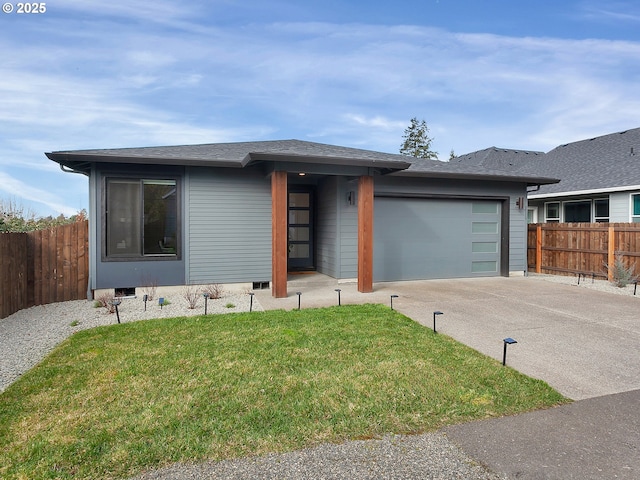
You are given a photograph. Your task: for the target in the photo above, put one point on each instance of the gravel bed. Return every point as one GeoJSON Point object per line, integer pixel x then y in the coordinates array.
{"type": "Point", "coordinates": [588, 282]}
{"type": "Point", "coordinates": [29, 335]}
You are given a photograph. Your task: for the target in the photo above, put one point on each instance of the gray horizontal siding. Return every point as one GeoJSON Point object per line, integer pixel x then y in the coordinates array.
{"type": "Point", "coordinates": [327, 254]}
{"type": "Point", "coordinates": [620, 207]}
{"type": "Point", "coordinates": [229, 233]}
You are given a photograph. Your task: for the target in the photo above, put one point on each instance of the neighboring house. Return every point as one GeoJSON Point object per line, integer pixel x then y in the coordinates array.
{"type": "Point", "coordinates": [600, 178]}
{"type": "Point", "coordinates": [251, 212]}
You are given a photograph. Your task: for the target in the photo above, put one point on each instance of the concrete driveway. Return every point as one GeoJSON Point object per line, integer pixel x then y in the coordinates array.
{"type": "Point", "coordinates": [583, 342]}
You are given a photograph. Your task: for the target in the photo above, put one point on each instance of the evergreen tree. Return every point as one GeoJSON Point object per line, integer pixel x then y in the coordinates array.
{"type": "Point", "coordinates": [417, 142]}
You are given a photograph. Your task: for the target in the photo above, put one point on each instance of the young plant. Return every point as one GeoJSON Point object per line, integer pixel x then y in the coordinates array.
{"type": "Point", "coordinates": [191, 294]}
{"type": "Point", "coordinates": [214, 290]}
{"type": "Point", "coordinates": [622, 274]}
{"type": "Point", "coordinates": [149, 288]}
{"type": "Point", "coordinates": [105, 300]}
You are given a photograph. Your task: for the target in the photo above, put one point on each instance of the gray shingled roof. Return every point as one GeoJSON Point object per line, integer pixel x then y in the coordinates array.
{"type": "Point", "coordinates": [603, 162]}
{"type": "Point", "coordinates": [498, 158]}
{"type": "Point", "coordinates": [235, 155]}
{"type": "Point", "coordinates": [607, 162]}
{"type": "Point", "coordinates": [243, 154]}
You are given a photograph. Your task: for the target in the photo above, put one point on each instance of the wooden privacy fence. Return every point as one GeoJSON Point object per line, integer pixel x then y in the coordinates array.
{"type": "Point", "coordinates": [44, 266]}
{"type": "Point", "coordinates": [572, 248]}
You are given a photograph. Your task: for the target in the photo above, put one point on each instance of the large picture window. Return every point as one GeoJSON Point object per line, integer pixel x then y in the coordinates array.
{"type": "Point", "coordinates": [577, 212]}
{"type": "Point", "coordinates": [141, 217]}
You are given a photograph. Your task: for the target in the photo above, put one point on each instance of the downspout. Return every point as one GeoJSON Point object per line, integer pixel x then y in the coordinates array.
{"type": "Point", "coordinates": [71, 170]}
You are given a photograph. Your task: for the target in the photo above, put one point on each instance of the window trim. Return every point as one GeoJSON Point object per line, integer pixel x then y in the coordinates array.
{"type": "Point", "coordinates": [553, 219]}
{"type": "Point", "coordinates": [633, 218]}
{"type": "Point", "coordinates": [594, 210]}
{"type": "Point", "coordinates": [141, 257]}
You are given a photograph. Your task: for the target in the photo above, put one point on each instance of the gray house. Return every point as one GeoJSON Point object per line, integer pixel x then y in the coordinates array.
{"type": "Point", "coordinates": [600, 178]}
{"type": "Point", "coordinates": [249, 213]}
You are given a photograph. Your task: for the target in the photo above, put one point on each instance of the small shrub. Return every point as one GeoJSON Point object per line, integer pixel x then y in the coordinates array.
{"type": "Point", "coordinates": [75, 323]}
{"type": "Point", "coordinates": [622, 275]}
{"type": "Point", "coordinates": [191, 295]}
{"type": "Point", "coordinates": [230, 305]}
{"type": "Point", "coordinates": [105, 300]}
{"type": "Point", "coordinates": [149, 289]}
{"type": "Point", "coordinates": [214, 290]}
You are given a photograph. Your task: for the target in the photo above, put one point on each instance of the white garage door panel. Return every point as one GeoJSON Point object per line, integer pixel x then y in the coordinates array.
{"type": "Point", "coordinates": [421, 239]}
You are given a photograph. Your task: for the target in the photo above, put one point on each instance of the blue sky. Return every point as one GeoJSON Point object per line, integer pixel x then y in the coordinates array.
{"type": "Point", "coordinates": [113, 73]}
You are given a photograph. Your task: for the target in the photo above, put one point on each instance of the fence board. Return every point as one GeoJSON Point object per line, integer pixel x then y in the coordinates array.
{"type": "Point", "coordinates": [572, 248]}
{"type": "Point", "coordinates": [42, 267]}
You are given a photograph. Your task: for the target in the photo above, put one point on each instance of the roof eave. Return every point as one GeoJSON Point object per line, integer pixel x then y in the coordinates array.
{"type": "Point", "coordinates": [68, 159]}
{"type": "Point", "coordinates": [529, 180]}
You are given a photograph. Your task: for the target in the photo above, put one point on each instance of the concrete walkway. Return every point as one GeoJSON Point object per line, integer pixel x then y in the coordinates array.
{"type": "Point", "coordinates": [582, 342]}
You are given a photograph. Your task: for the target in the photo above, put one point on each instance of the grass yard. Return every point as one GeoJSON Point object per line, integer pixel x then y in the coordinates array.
{"type": "Point", "coordinates": [113, 401]}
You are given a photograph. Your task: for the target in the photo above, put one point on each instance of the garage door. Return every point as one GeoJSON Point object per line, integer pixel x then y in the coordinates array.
{"type": "Point", "coordinates": [418, 238]}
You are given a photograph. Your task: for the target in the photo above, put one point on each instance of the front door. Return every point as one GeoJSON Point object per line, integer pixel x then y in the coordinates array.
{"type": "Point", "coordinates": [301, 230]}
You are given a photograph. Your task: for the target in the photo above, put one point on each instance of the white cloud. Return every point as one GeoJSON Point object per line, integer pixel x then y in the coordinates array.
{"type": "Point", "coordinates": [13, 187]}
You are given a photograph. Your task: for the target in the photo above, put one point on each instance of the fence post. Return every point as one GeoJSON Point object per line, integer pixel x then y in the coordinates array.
{"type": "Point", "coordinates": [538, 248]}
{"type": "Point", "coordinates": [611, 257]}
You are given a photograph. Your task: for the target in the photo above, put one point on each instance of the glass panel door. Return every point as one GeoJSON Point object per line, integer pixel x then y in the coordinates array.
{"type": "Point", "coordinates": [300, 233]}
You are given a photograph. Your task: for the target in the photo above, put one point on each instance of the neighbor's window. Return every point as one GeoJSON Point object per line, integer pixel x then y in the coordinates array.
{"type": "Point", "coordinates": [141, 217]}
{"type": "Point", "coordinates": [601, 210]}
{"type": "Point", "coordinates": [577, 212]}
{"type": "Point", "coordinates": [635, 208]}
{"type": "Point", "coordinates": [552, 212]}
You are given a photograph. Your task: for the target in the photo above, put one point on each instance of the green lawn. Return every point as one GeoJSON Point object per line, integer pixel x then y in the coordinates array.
{"type": "Point", "coordinates": [112, 401]}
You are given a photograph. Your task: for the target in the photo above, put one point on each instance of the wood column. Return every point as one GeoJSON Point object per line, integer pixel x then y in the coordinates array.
{"type": "Point", "coordinates": [365, 234]}
{"type": "Point", "coordinates": [538, 248]}
{"type": "Point", "coordinates": [279, 234]}
{"type": "Point", "coordinates": [611, 253]}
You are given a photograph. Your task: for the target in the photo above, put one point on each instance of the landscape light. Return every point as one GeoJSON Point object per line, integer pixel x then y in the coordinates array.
{"type": "Point", "coordinates": [338, 290]}
{"type": "Point", "coordinates": [298, 293]}
{"type": "Point", "coordinates": [251, 301]}
{"type": "Point", "coordinates": [115, 303]}
{"type": "Point", "coordinates": [507, 341]}
{"type": "Point", "coordinates": [206, 297]}
{"type": "Point", "coordinates": [437, 312]}
{"type": "Point", "coordinates": [392, 297]}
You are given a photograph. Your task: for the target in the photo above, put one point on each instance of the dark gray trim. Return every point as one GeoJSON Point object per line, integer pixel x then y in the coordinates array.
{"type": "Point", "coordinates": [530, 180]}
{"type": "Point", "coordinates": [179, 179]}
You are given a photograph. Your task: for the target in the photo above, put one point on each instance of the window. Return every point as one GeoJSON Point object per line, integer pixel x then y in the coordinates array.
{"type": "Point", "coordinates": [141, 218]}
{"type": "Point", "coordinates": [635, 208]}
{"type": "Point", "coordinates": [601, 210]}
{"type": "Point", "coordinates": [532, 215]}
{"type": "Point", "coordinates": [575, 212]}
{"type": "Point", "coordinates": [552, 212]}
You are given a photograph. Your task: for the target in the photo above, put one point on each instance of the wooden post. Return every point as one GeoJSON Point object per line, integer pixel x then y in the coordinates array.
{"type": "Point", "coordinates": [611, 257]}
{"type": "Point", "coordinates": [538, 248]}
{"type": "Point", "coordinates": [279, 234]}
{"type": "Point", "coordinates": [365, 234]}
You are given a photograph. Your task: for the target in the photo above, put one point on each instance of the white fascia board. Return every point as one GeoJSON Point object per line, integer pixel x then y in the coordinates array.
{"type": "Point", "coordinates": [594, 191]}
